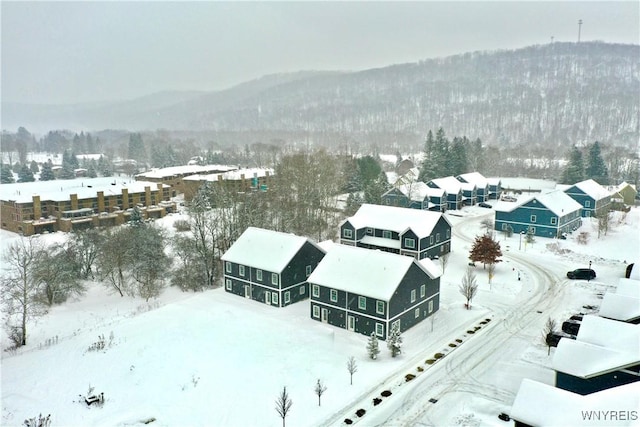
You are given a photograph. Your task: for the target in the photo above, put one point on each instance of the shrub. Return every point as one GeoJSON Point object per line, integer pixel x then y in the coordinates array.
{"type": "Point", "coordinates": [438, 356]}
{"type": "Point", "coordinates": [458, 340]}
{"type": "Point", "coordinates": [98, 345]}
{"type": "Point", "coordinates": [471, 332]}
{"type": "Point", "coordinates": [386, 393]}
{"type": "Point", "coordinates": [360, 412]}
{"type": "Point", "coordinates": [430, 361]}
{"type": "Point", "coordinates": [409, 377]}
{"type": "Point", "coordinates": [583, 238]}
{"type": "Point", "coordinates": [182, 225]}
{"type": "Point", "coordinates": [487, 320]}
{"type": "Point", "coordinates": [40, 421]}
{"type": "Point", "coordinates": [452, 345]}
{"type": "Point", "coordinates": [348, 421]}
{"type": "Point", "coordinates": [483, 322]}
{"type": "Point", "coordinates": [420, 369]}
{"type": "Point", "coordinates": [376, 401]}
{"type": "Point", "coordinates": [476, 328]}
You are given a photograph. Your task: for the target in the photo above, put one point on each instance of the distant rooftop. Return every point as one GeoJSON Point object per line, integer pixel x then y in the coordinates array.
{"type": "Point", "coordinates": [184, 170]}
{"type": "Point", "coordinates": [396, 219]}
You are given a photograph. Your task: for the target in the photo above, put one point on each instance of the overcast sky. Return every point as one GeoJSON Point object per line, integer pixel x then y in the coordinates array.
{"type": "Point", "coordinates": [55, 52]}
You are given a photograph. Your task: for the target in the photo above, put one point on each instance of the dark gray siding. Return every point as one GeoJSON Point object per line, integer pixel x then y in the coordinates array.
{"type": "Point", "coordinates": [401, 300]}
{"type": "Point", "coordinates": [591, 385]}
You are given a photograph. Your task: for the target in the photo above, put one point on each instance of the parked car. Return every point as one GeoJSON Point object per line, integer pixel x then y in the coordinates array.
{"type": "Point", "coordinates": [506, 198]}
{"type": "Point", "coordinates": [582, 273]}
{"type": "Point", "coordinates": [485, 205]}
{"type": "Point", "coordinates": [570, 327]}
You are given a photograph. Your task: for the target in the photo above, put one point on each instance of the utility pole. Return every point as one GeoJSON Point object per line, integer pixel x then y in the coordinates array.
{"type": "Point", "coordinates": [579, 28]}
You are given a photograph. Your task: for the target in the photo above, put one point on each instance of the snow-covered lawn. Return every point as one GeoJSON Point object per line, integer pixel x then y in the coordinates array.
{"type": "Point", "coordinates": [216, 359]}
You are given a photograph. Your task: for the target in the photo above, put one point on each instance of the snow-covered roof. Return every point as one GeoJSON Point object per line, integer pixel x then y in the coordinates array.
{"type": "Point", "coordinates": [265, 249]}
{"type": "Point", "coordinates": [185, 170]}
{"type": "Point", "coordinates": [381, 241]}
{"type": "Point", "coordinates": [396, 219]}
{"type": "Point", "coordinates": [449, 184]}
{"type": "Point", "coordinates": [624, 185]}
{"type": "Point", "coordinates": [526, 184]}
{"type": "Point", "coordinates": [475, 178]}
{"type": "Point", "coordinates": [61, 190]}
{"type": "Point", "coordinates": [539, 404]}
{"type": "Point", "coordinates": [366, 272]}
{"type": "Point", "coordinates": [635, 271]}
{"type": "Point", "coordinates": [620, 307]}
{"type": "Point", "coordinates": [494, 181]}
{"type": "Point", "coordinates": [601, 346]}
{"type": "Point", "coordinates": [592, 189]}
{"type": "Point", "coordinates": [556, 201]}
{"type": "Point", "coordinates": [326, 245]}
{"type": "Point", "coordinates": [629, 287]}
{"type": "Point", "coordinates": [233, 175]}
{"type": "Point", "coordinates": [468, 186]}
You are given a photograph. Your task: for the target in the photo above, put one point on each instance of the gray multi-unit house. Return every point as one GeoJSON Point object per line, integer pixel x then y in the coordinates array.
{"type": "Point", "coordinates": [270, 267]}
{"type": "Point", "coordinates": [417, 233]}
{"type": "Point", "coordinates": [369, 291]}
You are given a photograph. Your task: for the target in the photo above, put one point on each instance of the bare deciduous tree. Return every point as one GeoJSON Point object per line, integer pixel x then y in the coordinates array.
{"type": "Point", "coordinates": [352, 367]}
{"type": "Point", "coordinates": [283, 405]}
{"type": "Point", "coordinates": [468, 287]}
{"type": "Point", "coordinates": [547, 333]}
{"type": "Point", "coordinates": [20, 292]}
{"type": "Point", "coordinates": [444, 260]}
{"type": "Point", "coordinates": [319, 390]}
{"type": "Point", "coordinates": [57, 275]}
{"type": "Point", "coordinates": [116, 256]}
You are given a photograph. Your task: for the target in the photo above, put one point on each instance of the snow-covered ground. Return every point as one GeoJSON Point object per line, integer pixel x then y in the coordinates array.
{"type": "Point", "coordinates": [216, 359]}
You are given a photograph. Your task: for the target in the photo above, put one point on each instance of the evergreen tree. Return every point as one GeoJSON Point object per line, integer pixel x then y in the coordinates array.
{"type": "Point", "coordinates": [25, 175]}
{"type": "Point", "coordinates": [394, 342]}
{"type": "Point", "coordinates": [596, 168]}
{"type": "Point", "coordinates": [136, 219]}
{"type": "Point", "coordinates": [6, 174]}
{"type": "Point", "coordinates": [374, 191]}
{"type": "Point", "coordinates": [136, 148]}
{"type": "Point", "coordinates": [574, 170]}
{"type": "Point", "coordinates": [372, 346]}
{"type": "Point", "coordinates": [354, 201]}
{"type": "Point", "coordinates": [427, 169]}
{"type": "Point", "coordinates": [458, 157]}
{"type": "Point", "coordinates": [90, 145]}
{"type": "Point", "coordinates": [46, 174]}
{"type": "Point", "coordinates": [34, 167]}
{"type": "Point", "coordinates": [91, 171]}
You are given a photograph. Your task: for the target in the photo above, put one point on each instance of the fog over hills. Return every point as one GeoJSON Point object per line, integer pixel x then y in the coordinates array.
{"type": "Point", "coordinates": [554, 94]}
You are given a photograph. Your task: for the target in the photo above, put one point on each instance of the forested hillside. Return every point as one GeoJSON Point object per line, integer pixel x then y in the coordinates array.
{"type": "Point", "coordinates": [553, 95]}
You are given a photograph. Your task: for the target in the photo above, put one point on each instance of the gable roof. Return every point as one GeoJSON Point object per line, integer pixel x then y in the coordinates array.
{"type": "Point", "coordinates": [601, 346]}
{"type": "Point", "coordinates": [265, 249]}
{"type": "Point", "coordinates": [620, 307]}
{"type": "Point", "coordinates": [629, 287]}
{"type": "Point", "coordinates": [539, 404]}
{"type": "Point", "coordinates": [366, 272]}
{"type": "Point", "coordinates": [448, 183]}
{"type": "Point", "coordinates": [558, 202]}
{"type": "Point", "coordinates": [392, 218]}
{"type": "Point", "coordinates": [419, 191]}
{"type": "Point", "coordinates": [591, 189]}
{"type": "Point", "coordinates": [474, 178]}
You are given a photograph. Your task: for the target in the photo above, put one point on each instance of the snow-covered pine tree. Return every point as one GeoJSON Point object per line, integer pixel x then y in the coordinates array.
{"type": "Point", "coordinates": [394, 342]}
{"type": "Point", "coordinates": [372, 346]}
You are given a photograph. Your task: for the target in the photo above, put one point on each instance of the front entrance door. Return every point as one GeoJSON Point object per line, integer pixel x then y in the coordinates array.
{"type": "Point", "coordinates": [324, 315]}
{"type": "Point", "coordinates": [247, 291]}
{"type": "Point", "coordinates": [351, 323]}
{"type": "Point", "coordinates": [267, 297]}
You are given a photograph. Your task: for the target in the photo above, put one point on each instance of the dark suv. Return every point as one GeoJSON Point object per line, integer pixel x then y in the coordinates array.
{"type": "Point", "coordinates": [582, 273]}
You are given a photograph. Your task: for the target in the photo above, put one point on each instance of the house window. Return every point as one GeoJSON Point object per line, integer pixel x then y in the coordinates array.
{"type": "Point", "coordinates": [308, 270]}
{"type": "Point", "coordinates": [228, 267]}
{"type": "Point", "coordinates": [316, 311]}
{"type": "Point", "coordinates": [274, 298]}
{"type": "Point", "coordinates": [416, 313]}
{"type": "Point", "coordinates": [431, 240]}
{"type": "Point", "coordinates": [379, 329]}
{"type": "Point", "coordinates": [396, 325]}
{"type": "Point", "coordinates": [315, 291]}
{"type": "Point", "coordinates": [533, 218]}
{"type": "Point", "coordinates": [431, 306]}
{"type": "Point", "coordinates": [259, 275]}
{"type": "Point", "coordinates": [448, 233]}
{"type": "Point", "coordinates": [302, 289]}
{"type": "Point", "coordinates": [369, 231]}
{"type": "Point", "coordinates": [413, 295]}
{"type": "Point", "coordinates": [228, 284]}
{"type": "Point", "coordinates": [441, 249]}
{"type": "Point", "coordinates": [532, 230]}
{"type": "Point", "coordinates": [554, 220]}
{"type": "Point", "coordinates": [287, 297]}
{"type": "Point", "coordinates": [423, 291]}
{"type": "Point", "coordinates": [437, 237]}
{"type": "Point", "coordinates": [386, 234]}
{"type": "Point", "coordinates": [380, 307]}
{"type": "Point", "coordinates": [274, 279]}
{"type": "Point", "coordinates": [587, 203]}
{"type": "Point", "coordinates": [334, 295]}
{"type": "Point", "coordinates": [347, 233]}
{"type": "Point", "coordinates": [410, 243]}
{"type": "Point", "coordinates": [362, 303]}
{"type": "Point", "coordinates": [241, 270]}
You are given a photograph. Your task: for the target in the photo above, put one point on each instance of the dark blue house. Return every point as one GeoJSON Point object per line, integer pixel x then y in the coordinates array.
{"type": "Point", "coordinates": [417, 233]}
{"type": "Point", "coordinates": [416, 195]}
{"type": "Point", "coordinates": [452, 187]}
{"type": "Point", "coordinates": [593, 197]}
{"type": "Point", "coordinates": [495, 188]}
{"type": "Point", "coordinates": [368, 291]}
{"type": "Point", "coordinates": [270, 267]}
{"type": "Point", "coordinates": [605, 354]}
{"type": "Point", "coordinates": [481, 183]}
{"type": "Point", "coordinates": [546, 214]}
